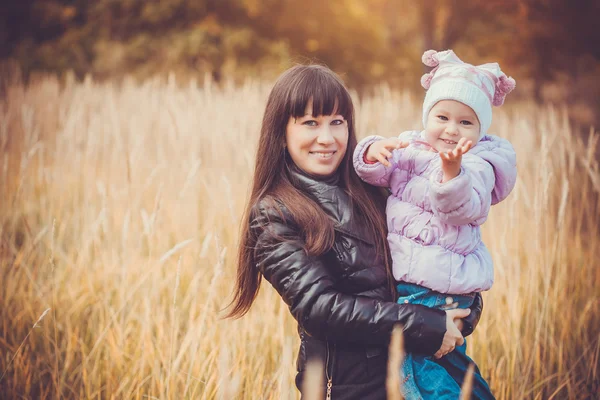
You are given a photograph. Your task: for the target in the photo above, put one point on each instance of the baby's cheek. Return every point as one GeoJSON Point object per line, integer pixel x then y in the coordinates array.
{"type": "Point", "coordinates": [429, 137]}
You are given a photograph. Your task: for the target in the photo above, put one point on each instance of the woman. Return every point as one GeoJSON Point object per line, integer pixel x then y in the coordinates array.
{"type": "Point", "coordinates": [317, 233]}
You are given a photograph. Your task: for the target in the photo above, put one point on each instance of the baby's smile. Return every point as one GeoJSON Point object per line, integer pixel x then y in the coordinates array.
{"type": "Point", "coordinates": [448, 141]}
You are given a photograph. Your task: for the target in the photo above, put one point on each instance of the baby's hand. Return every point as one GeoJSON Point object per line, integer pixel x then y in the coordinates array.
{"type": "Point", "coordinates": [451, 159]}
{"type": "Point", "coordinates": [381, 150]}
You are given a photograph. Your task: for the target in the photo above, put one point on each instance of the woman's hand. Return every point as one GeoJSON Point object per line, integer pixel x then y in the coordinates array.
{"type": "Point", "coordinates": [381, 150]}
{"type": "Point", "coordinates": [452, 159]}
{"type": "Point", "coordinates": [452, 337]}
{"type": "Point", "coordinates": [459, 324]}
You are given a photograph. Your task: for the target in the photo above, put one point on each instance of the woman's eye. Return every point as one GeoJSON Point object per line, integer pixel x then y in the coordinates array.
{"type": "Point", "coordinates": [310, 122]}
{"type": "Point", "coordinates": [443, 117]}
{"type": "Point", "coordinates": [337, 122]}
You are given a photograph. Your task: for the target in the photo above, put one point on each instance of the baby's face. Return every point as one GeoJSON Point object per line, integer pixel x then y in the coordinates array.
{"type": "Point", "coordinates": [448, 122]}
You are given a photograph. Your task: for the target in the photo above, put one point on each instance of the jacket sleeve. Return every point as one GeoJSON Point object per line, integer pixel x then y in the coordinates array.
{"type": "Point", "coordinates": [500, 154]}
{"type": "Point", "coordinates": [467, 198]}
{"type": "Point", "coordinates": [470, 321]}
{"type": "Point", "coordinates": [375, 174]}
{"type": "Point", "coordinates": [309, 289]}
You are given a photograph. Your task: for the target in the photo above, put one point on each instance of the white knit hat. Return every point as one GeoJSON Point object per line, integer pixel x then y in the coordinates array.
{"type": "Point", "coordinates": [479, 87]}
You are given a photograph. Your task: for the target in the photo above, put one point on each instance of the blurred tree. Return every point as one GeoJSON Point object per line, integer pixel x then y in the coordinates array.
{"type": "Point", "coordinates": [543, 40]}
{"type": "Point", "coordinates": [556, 40]}
{"type": "Point", "coordinates": [344, 34]}
{"type": "Point", "coordinates": [112, 37]}
{"type": "Point", "coordinates": [367, 41]}
{"type": "Point", "coordinates": [11, 33]}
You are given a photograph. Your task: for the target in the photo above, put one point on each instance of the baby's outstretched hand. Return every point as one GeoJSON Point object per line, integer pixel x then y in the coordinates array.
{"type": "Point", "coordinates": [381, 150]}
{"type": "Point", "coordinates": [451, 159]}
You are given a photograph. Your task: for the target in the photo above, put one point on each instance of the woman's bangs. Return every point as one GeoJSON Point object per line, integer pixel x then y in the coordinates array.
{"type": "Point", "coordinates": [328, 96]}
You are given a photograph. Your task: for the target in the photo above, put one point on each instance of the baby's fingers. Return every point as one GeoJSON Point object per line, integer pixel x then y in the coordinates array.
{"type": "Point", "coordinates": [447, 155]}
{"type": "Point", "coordinates": [386, 153]}
{"type": "Point", "coordinates": [392, 143]}
{"type": "Point", "coordinates": [382, 160]}
{"type": "Point", "coordinates": [463, 146]}
{"type": "Point", "coordinates": [467, 146]}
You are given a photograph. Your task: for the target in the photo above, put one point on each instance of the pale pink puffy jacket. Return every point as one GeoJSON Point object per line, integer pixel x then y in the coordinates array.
{"type": "Point", "coordinates": [434, 228]}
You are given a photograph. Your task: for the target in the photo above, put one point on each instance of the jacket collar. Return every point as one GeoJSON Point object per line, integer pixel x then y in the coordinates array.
{"type": "Point", "coordinates": [311, 182]}
{"type": "Point", "coordinates": [333, 199]}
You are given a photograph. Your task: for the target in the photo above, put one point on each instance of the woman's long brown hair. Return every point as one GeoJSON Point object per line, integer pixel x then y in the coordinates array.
{"type": "Point", "coordinates": [294, 89]}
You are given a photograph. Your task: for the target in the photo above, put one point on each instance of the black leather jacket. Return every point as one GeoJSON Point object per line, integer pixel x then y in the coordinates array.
{"type": "Point", "coordinates": [341, 299]}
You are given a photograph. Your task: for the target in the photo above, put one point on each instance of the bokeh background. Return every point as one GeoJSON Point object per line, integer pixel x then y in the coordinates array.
{"type": "Point", "coordinates": [549, 46]}
{"type": "Point", "coordinates": [128, 131]}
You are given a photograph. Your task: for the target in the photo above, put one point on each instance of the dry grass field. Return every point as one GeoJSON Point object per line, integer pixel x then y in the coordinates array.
{"type": "Point", "coordinates": [119, 212]}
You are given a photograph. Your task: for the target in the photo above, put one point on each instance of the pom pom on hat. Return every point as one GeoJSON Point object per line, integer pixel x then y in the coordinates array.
{"type": "Point", "coordinates": [430, 59]}
{"type": "Point", "coordinates": [426, 80]}
{"type": "Point", "coordinates": [504, 86]}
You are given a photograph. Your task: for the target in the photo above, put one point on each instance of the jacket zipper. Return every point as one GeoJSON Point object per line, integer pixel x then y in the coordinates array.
{"type": "Point", "coordinates": [327, 374]}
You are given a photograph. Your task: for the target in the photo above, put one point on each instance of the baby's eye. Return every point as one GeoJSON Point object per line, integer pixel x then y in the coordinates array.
{"type": "Point", "coordinates": [443, 117]}
{"type": "Point", "coordinates": [310, 122]}
{"type": "Point", "coordinates": [337, 122]}
{"type": "Point", "coordinates": [465, 122]}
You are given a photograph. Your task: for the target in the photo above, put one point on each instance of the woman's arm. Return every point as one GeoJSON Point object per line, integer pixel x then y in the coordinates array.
{"type": "Point", "coordinates": [470, 321]}
{"type": "Point", "coordinates": [308, 288]}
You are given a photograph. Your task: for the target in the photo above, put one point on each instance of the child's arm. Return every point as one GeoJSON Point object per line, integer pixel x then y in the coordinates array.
{"type": "Point", "coordinates": [461, 190]}
{"type": "Point", "coordinates": [376, 158]}
{"type": "Point", "coordinates": [501, 155]}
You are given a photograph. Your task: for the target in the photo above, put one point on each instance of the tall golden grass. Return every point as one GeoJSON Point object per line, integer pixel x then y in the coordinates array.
{"type": "Point", "coordinates": [120, 211]}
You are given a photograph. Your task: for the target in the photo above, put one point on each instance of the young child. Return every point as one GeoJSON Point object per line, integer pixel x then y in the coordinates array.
{"type": "Point", "coordinates": [443, 181]}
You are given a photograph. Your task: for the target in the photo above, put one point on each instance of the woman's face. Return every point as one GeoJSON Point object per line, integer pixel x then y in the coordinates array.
{"type": "Point", "coordinates": [317, 145]}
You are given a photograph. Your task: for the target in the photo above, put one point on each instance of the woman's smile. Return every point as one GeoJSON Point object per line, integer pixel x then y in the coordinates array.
{"type": "Point", "coordinates": [325, 155]}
